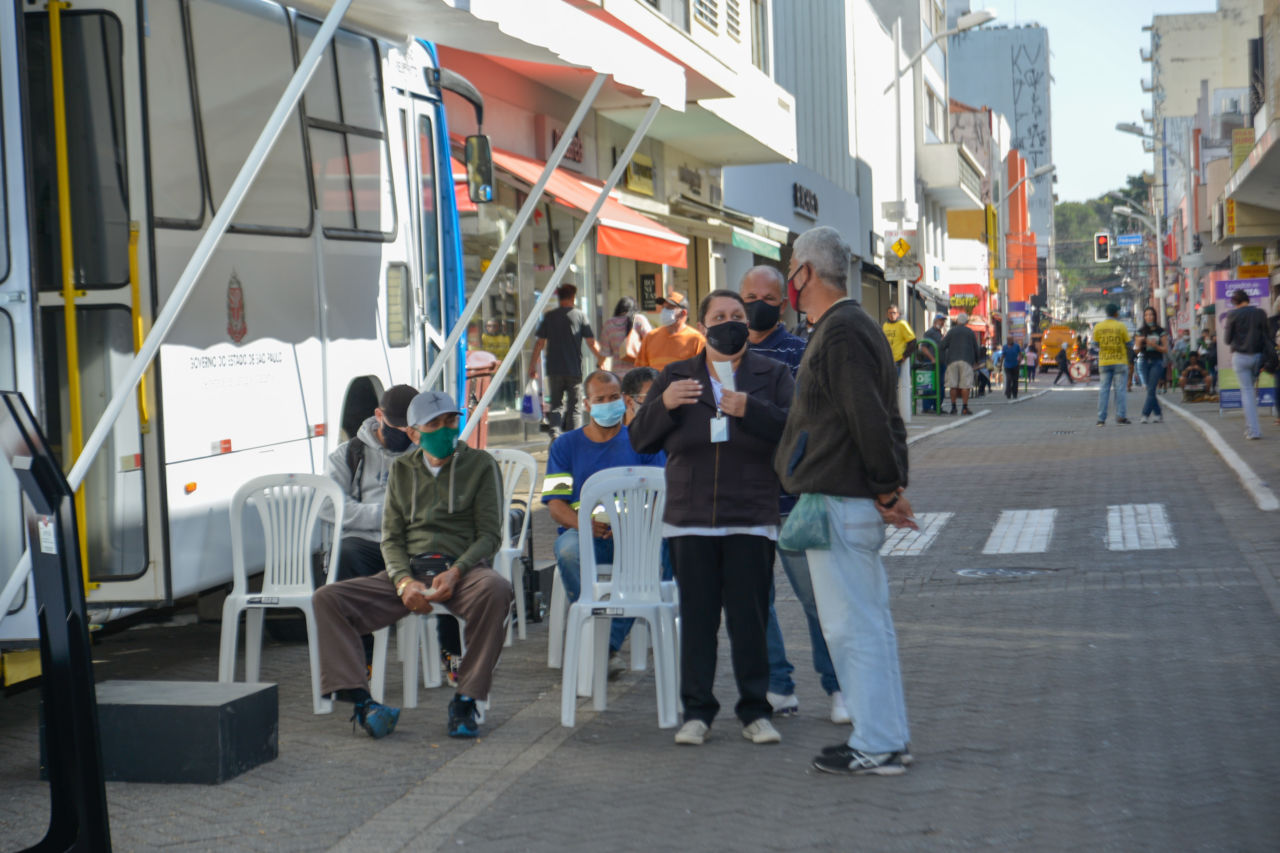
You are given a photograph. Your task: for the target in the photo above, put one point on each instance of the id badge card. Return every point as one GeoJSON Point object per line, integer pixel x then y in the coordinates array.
{"type": "Point", "coordinates": [719, 429]}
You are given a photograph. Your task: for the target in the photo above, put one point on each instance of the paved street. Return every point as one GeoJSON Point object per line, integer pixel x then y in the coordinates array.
{"type": "Point", "coordinates": [1063, 695]}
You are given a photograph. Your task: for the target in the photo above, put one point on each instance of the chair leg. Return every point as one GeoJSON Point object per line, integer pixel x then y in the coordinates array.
{"type": "Point", "coordinates": [639, 645]}
{"type": "Point", "coordinates": [666, 668]}
{"type": "Point", "coordinates": [229, 641]}
{"type": "Point", "coordinates": [569, 674]}
{"type": "Point", "coordinates": [253, 618]}
{"type": "Point", "coordinates": [407, 643]}
{"type": "Point", "coordinates": [319, 704]}
{"type": "Point", "coordinates": [429, 643]}
{"type": "Point", "coordinates": [503, 565]}
{"type": "Point", "coordinates": [556, 629]}
{"type": "Point", "coordinates": [586, 658]}
{"type": "Point", "coordinates": [378, 675]}
{"type": "Point", "coordinates": [517, 585]}
{"type": "Point", "coordinates": [600, 670]}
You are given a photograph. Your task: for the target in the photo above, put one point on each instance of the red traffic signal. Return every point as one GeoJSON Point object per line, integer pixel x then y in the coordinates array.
{"type": "Point", "coordinates": [1101, 247]}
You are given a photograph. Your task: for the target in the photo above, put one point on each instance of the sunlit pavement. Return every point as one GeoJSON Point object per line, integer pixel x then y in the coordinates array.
{"type": "Point", "coordinates": [1063, 695]}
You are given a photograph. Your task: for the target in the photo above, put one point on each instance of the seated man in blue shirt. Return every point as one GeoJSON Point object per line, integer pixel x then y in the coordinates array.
{"type": "Point", "coordinates": [575, 456]}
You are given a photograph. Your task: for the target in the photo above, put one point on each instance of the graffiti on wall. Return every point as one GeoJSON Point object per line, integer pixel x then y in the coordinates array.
{"type": "Point", "coordinates": [1031, 119]}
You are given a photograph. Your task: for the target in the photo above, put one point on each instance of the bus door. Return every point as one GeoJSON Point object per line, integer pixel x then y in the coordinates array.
{"type": "Point", "coordinates": [112, 288]}
{"type": "Point", "coordinates": [427, 183]}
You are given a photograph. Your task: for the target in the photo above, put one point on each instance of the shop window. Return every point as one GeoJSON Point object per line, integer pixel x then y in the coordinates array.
{"type": "Point", "coordinates": [238, 91]}
{"type": "Point", "coordinates": [760, 35]}
{"type": "Point", "coordinates": [399, 306]}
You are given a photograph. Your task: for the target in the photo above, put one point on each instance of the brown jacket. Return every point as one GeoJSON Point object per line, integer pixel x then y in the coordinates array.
{"type": "Point", "coordinates": [727, 484]}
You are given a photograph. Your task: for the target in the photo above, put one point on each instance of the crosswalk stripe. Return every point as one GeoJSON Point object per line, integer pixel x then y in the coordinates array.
{"type": "Point", "coordinates": [1021, 531]}
{"type": "Point", "coordinates": [1138, 527]}
{"type": "Point", "coordinates": [905, 542]}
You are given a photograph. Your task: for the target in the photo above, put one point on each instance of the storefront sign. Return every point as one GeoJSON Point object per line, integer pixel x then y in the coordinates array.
{"type": "Point", "coordinates": [1253, 255]}
{"type": "Point", "coordinates": [575, 153]}
{"type": "Point", "coordinates": [1241, 145]}
{"type": "Point", "coordinates": [964, 301]}
{"type": "Point", "coordinates": [1253, 271]}
{"type": "Point", "coordinates": [581, 153]}
{"type": "Point", "coordinates": [804, 201]}
{"type": "Point", "coordinates": [640, 175]}
{"type": "Point", "coordinates": [648, 293]}
{"type": "Point", "coordinates": [1229, 217]}
{"type": "Point", "coordinates": [691, 178]}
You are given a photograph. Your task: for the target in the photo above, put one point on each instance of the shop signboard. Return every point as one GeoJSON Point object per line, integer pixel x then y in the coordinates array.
{"type": "Point", "coordinates": [639, 177]}
{"type": "Point", "coordinates": [648, 293]}
{"type": "Point", "coordinates": [965, 297]}
{"type": "Point", "coordinates": [1228, 382]}
{"type": "Point", "coordinates": [901, 261]}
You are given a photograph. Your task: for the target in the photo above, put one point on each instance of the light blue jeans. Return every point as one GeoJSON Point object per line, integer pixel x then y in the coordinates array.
{"type": "Point", "coordinates": [1246, 367]}
{"type": "Point", "coordinates": [796, 567]}
{"type": "Point", "coordinates": [852, 594]}
{"type": "Point", "coordinates": [570, 563]}
{"type": "Point", "coordinates": [780, 668]}
{"type": "Point", "coordinates": [1117, 374]}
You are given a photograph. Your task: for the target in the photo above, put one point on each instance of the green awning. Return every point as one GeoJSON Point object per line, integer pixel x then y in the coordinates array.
{"type": "Point", "coordinates": [755, 243]}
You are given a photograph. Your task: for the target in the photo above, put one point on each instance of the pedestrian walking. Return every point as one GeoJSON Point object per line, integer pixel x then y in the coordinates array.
{"type": "Point", "coordinates": [1064, 366]}
{"type": "Point", "coordinates": [562, 332]}
{"type": "Point", "coordinates": [622, 335]}
{"type": "Point", "coordinates": [1033, 362]}
{"type": "Point", "coordinates": [1152, 343]}
{"type": "Point", "coordinates": [845, 441]}
{"type": "Point", "coordinates": [960, 353]}
{"type": "Point", "coordinates": [1113, 364]}
{"type": "Point", "coordinates": [718, 417]}
{"type": "Point", "coordinates": [1247, 331]}
{"type": "Point", "coordinates": [1011, 359]}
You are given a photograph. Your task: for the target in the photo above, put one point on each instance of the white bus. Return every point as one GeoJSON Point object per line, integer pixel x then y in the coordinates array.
{"type": "Point", "coordinates": [340, 274]}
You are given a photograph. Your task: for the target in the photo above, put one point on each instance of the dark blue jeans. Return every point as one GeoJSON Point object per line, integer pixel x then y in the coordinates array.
{"type": "Point", "coordinates": [1152, 373]}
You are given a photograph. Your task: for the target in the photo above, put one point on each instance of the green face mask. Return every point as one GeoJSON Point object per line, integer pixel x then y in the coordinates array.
{"type": "Point", "coordinates": [439, 444]}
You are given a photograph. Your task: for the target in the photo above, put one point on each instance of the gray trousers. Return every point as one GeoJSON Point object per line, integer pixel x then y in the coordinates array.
{"type": "Point", "coordinates": [348, 609]}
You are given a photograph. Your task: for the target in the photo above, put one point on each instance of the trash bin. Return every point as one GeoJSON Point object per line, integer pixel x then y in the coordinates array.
{"type": "Point", "coordinates": [481, 366]}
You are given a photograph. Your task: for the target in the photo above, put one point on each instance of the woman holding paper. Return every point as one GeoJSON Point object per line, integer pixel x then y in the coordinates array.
{"type": "Point", "coordinates": [719, 416]}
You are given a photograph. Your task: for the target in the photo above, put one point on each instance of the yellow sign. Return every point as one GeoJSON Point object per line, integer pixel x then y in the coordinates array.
{"type": "Point", "coordinates": [1229, 215]}
{"type": "Point", "coordinates": [1241, 145]}
{"type": "Point", "coordinates": [1253, 254]}
{"type": "Point", "coordinates": [993, 251]}
{"type": "Point", "coordinates": [640, 175]}
{"type": "Point", "coordinates": [1253, 271]}
{"type": "Point", "coordinates": [901, 247]}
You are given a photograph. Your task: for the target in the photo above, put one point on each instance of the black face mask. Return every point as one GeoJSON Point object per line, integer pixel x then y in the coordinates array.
{"type": "Point", "coordinates": [761, 316]}
{"type": "Point", "coordinates": [395, 440]}
{"type": "Point", "coordinates": [728, 337]}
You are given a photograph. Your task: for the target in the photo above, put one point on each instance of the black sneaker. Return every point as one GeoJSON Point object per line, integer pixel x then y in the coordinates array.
{"type": "Point", "coordinates": [376, 719]}
{"type": "Point", "coordinates": [1124, 421]}
{"type": "Point", "coordinates": [953, 410]}
{"type": "Point", "coordinates": [965, 411]}
{"type": "Point", "coordinates": [904, 756]}
{"type": "Point", "coordinates": [1102, 423]}
{"type": "Point", "coordinates": [852, 762]}
{"type": "Point", "coordinates": [462, 717]}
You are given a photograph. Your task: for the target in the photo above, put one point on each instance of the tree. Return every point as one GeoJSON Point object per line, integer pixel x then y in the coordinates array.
{"type": "Point", "coordinates": [1075, 223]}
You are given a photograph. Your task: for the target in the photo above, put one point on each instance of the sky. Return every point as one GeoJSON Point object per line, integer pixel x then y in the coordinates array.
{"type": "Point", "coordinates": [1097, 76]}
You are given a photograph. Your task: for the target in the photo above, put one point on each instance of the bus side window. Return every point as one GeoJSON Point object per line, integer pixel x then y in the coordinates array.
{"type": "Point", "coordinates": [399, 306]}
{"type": "Point", "coordinates": [243, 61]}
{"type": "Point", "coordinates": [350, 159]}
{"type": "Point", "coordinates": [175, 167]}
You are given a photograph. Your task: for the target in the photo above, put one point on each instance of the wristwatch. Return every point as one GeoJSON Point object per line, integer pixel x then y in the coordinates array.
{"type": "Point", "coordinates": [891, 502]}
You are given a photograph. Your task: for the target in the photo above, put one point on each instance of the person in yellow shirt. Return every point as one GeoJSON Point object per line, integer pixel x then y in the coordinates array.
{"type": "Point", "coordinates": [901, 339]}
{"type": "Point", "coordinates": [674, 340]}
{"type": "Point", "coordinates": [1112, 339]}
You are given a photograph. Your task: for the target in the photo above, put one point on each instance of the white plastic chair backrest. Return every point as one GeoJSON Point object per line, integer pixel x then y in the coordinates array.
{"type": "Point", "coordinates": [289, 508]}
{"type": "Point", "coordinates": [633, 499]}
{"type": "Point", "coordinates": [516, 467]}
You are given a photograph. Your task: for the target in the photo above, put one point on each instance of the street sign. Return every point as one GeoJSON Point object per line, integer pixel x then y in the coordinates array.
{"type": "Point", "coordinates": [900, 272]}
{"type": "Point", "coordinates": [901, 247]}
{"type": "Point", "coordinates": [1002, 274]}
{"type": "Point", "coordinates": [894, 211]}
{"type": "Point", "coordinates": [1129, 239]}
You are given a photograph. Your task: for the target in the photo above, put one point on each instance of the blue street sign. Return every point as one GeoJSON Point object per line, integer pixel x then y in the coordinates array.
{"type": "Point", "coordinates": [1129, 239]}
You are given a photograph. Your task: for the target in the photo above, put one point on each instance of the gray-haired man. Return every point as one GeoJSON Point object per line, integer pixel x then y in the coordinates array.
{"type": "Point", "coordinates": [845, 441]}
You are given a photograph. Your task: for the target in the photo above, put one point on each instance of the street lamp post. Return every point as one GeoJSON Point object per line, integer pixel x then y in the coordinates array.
{"type": "Point", "coordinates": [1004, 245]}
{"type": "Point", "coordinates": [965, 22]}
{"type": "Point", "coordinates": [1126, 210]}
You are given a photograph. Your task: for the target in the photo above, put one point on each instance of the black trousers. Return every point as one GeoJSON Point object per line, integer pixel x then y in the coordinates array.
{"type": "Point", "coordinates": [730, 573]}
{"type": "Point", "coordinates": [1011, 382]}
{"type": "Point", "coordinates": [1063, 371]}
{"type": "Point", "coordinates": [563, 416]}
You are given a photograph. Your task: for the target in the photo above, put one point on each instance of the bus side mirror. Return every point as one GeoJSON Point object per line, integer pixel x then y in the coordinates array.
{"type": "Point", "coordinates": [479, 169]}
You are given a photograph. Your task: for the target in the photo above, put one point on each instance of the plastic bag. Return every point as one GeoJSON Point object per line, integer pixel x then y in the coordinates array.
{"type": "Point", "coordinates": [806, 527]}
{"type": "Point", "coordinates": [531, 403]}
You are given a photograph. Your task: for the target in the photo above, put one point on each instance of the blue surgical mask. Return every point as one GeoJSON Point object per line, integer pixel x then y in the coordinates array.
{"type": "Point", "coordinates": [608, 414]}
{"type": "Point", "coordinates": [667, 316]}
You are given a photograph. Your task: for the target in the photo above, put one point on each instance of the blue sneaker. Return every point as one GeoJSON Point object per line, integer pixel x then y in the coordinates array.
{"type": "Point", "coordinates": [376, 719]}
{"type": "Point", "coordinates": [462, 717]}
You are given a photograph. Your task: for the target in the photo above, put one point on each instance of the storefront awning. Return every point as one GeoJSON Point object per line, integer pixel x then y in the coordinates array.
{"type": "Point", "coordinates": [620, 231]}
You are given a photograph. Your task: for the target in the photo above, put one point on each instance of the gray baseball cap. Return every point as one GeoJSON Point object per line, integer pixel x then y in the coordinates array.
{"type": "Point", "coordinates": [429, 405]}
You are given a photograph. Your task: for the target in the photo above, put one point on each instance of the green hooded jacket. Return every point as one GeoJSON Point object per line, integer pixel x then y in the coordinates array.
{"type": "Point", "coordinates": [455, 513]}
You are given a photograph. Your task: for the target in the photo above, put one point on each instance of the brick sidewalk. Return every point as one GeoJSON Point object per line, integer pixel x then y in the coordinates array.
{"type": "Point", "coordinates": [1116, 700]}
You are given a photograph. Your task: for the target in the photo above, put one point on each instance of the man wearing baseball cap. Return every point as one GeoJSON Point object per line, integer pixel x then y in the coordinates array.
{"type": "Point", "coordinates": [675, 340]}
{"type": "Point", "coordinates": [440, 528]}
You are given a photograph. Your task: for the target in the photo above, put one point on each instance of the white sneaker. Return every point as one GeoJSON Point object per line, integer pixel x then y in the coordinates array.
{"type": "Point", "coordinates": [761, 731]}
{"type": "Point", "coordinates": [692, 733]}
{"type": "Point", "coordinates": [1144, 420]}
{"type": "Point", "coordinates": [784, 705]}
{"type": "Point", "coordinates": [1157, 419]}
{"type": "Point", "coordinates": [839, 713]}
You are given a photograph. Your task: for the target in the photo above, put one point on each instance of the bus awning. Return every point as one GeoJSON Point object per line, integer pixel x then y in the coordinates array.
{"type": "Point", "coordinates": [620, 231]}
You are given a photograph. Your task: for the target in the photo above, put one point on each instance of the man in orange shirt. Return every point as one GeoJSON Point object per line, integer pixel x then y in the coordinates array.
{"type": "Point", "coordinates": [675, 340]}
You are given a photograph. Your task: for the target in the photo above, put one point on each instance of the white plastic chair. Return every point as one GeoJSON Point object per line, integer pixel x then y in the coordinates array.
{"type": "Point", "coordinates": [289, 507]}
{"type": "Point", "coordinates": [516, 467]}
{"type": "Point", "coordinates": [633, 499]}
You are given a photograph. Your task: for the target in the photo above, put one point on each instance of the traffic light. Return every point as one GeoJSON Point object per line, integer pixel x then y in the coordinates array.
{"type": "Point", "coordinates": [1101, 248]}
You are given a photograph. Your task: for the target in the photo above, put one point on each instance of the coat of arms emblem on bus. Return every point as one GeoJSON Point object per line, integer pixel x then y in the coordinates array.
{"type": "Point", "coordinates": [236, 326]}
